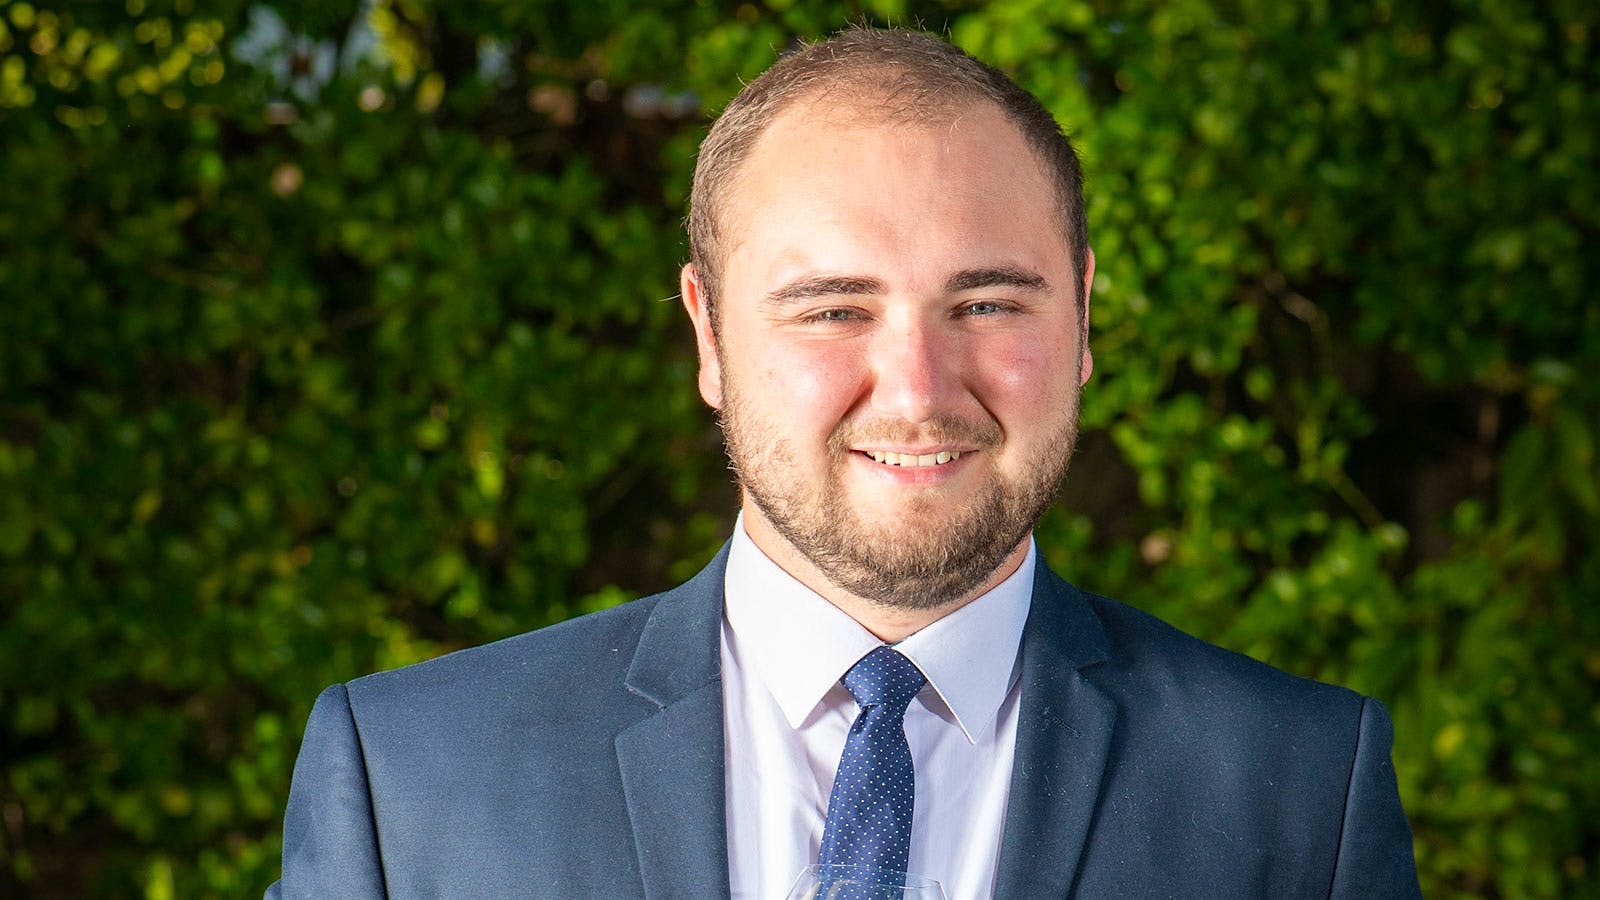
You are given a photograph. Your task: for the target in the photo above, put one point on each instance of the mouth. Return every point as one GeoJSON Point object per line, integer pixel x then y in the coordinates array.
{"type": "Point", "coordinates": [912, 460]}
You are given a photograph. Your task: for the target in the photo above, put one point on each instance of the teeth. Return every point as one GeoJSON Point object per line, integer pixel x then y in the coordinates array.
{"type": "Point", "coordinates": [912, 460]}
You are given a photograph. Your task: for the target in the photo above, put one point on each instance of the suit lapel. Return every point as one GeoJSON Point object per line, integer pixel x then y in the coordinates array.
{"type": "Point", "coordinates": [672, 760]}
{"type": "Point", "coordinates": [1063, 742]}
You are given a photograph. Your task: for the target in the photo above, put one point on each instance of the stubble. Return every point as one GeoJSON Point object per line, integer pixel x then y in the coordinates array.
{"type": "Point", "coordinates": [935, 552]}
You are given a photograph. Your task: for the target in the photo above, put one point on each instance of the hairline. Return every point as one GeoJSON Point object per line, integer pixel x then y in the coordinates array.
{"type": "Point", "coordinates": [870, 83]}
{"type": "Point", "coordinates": [859, 111]}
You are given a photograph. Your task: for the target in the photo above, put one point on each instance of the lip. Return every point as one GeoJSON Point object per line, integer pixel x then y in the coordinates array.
{"type": "Point", "coordinates": [912, 475]}
{"type": "Point", "coordinates": [915, 451]}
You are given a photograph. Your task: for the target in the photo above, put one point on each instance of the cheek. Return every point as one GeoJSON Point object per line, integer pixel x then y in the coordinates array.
{"type": "Point", "coordinates": [811, 388]}
{"type": "Point", "coordinates": [1027, 375]}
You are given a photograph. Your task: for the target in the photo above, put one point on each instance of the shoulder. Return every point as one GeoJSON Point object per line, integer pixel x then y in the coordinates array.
{"type": "Point", "coordinates": [588, 658]}
{"type": "Point", "coordinates": [571, 656]}
{"type": "Point", "coordinates": [1159, 657]}
{"type": "Point", "coordinates": [1243, 774]}
{"type": "Point", "coordinates": [1164, 679]}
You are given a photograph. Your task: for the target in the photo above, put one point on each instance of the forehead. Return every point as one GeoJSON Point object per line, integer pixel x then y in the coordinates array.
{"type": "Point", "coordinates": [833, 134]}
{"type": "Point", "coordinates": [857, 183]}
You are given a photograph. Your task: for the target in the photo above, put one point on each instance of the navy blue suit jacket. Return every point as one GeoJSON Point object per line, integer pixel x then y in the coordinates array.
{"type": "Point", "coordinates": [586, 760]}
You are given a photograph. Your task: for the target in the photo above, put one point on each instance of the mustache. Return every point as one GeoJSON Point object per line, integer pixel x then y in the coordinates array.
{"type": "Point", "coordinates": [942, 429]}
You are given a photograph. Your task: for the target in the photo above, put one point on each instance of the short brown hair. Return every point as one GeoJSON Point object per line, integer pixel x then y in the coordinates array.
{"type": "Point", "coordinates": [914, 75]}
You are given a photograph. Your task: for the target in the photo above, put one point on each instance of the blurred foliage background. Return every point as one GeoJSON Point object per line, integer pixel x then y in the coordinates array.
{"type": "Point", "coordinates": [337, 336]}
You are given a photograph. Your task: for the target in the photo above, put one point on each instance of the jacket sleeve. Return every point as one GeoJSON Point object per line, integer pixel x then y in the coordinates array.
{"type": "Point", "coordinates": [330, 839]}
{"type": "Point", "coordinates": [1375, 856]}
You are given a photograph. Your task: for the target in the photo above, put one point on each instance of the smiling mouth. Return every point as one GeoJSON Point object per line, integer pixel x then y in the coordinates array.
{"type": "Point", "coordinates": [912, 460]}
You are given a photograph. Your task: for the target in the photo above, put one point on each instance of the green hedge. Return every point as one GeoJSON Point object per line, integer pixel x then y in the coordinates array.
{"type": "Point", "coordinates": [334, 340]}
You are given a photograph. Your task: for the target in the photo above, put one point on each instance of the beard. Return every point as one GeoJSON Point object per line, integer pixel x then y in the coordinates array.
{"type": "Point", "coordinates": [934, 553]}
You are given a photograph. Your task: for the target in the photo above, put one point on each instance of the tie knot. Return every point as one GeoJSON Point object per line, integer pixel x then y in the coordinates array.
{"type": "Point", "coordinates": [885, 678]}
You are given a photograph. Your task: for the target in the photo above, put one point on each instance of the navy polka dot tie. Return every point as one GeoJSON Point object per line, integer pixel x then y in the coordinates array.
{"type": "Point", "coordinates": [869, 812]}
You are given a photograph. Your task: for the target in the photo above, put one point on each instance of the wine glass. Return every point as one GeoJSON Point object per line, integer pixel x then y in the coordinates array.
{"type": "Point", "coordinates": [834, 882]}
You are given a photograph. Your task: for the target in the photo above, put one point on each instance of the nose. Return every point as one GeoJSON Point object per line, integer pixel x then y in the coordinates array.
{"type": "Point", "coordinates": [916, 370]}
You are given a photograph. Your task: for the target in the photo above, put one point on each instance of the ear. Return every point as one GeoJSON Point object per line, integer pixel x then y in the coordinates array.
{"type": "Point", "coordinates": [705, 337]}
{"type": "Point", "coordinates": [1086, 365]}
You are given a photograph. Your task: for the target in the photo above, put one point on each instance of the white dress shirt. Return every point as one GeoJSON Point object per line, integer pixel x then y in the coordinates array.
{"type": "Point", "coordinates": [786, 716]}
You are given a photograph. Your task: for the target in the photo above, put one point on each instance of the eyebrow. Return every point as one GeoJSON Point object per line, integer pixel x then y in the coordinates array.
{"type": "Point", "coordinates": [997, 276]}
{"type": "Point", "coordinates": [812, 286]}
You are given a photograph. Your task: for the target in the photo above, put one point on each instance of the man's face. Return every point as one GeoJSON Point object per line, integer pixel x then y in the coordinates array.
{"type": "Point", "coordinates": [899, 352]}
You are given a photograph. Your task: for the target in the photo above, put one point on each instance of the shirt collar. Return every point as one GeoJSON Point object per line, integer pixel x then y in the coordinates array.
{"type": "Point", "coordinates": [800, 645]}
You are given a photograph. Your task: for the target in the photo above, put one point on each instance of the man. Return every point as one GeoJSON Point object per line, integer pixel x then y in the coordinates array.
{"type": "Point", "coordinates": [889, 288]}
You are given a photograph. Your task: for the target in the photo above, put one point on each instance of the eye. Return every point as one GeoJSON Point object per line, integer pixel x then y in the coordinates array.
{"type": "Point", "coordinates": [982, 308]}
{"type": "Point", "coordinates": [833, 315]}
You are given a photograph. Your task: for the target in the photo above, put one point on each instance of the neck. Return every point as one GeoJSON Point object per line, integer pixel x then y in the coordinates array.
{"type": "Point", "coordinates": [891, 624]}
